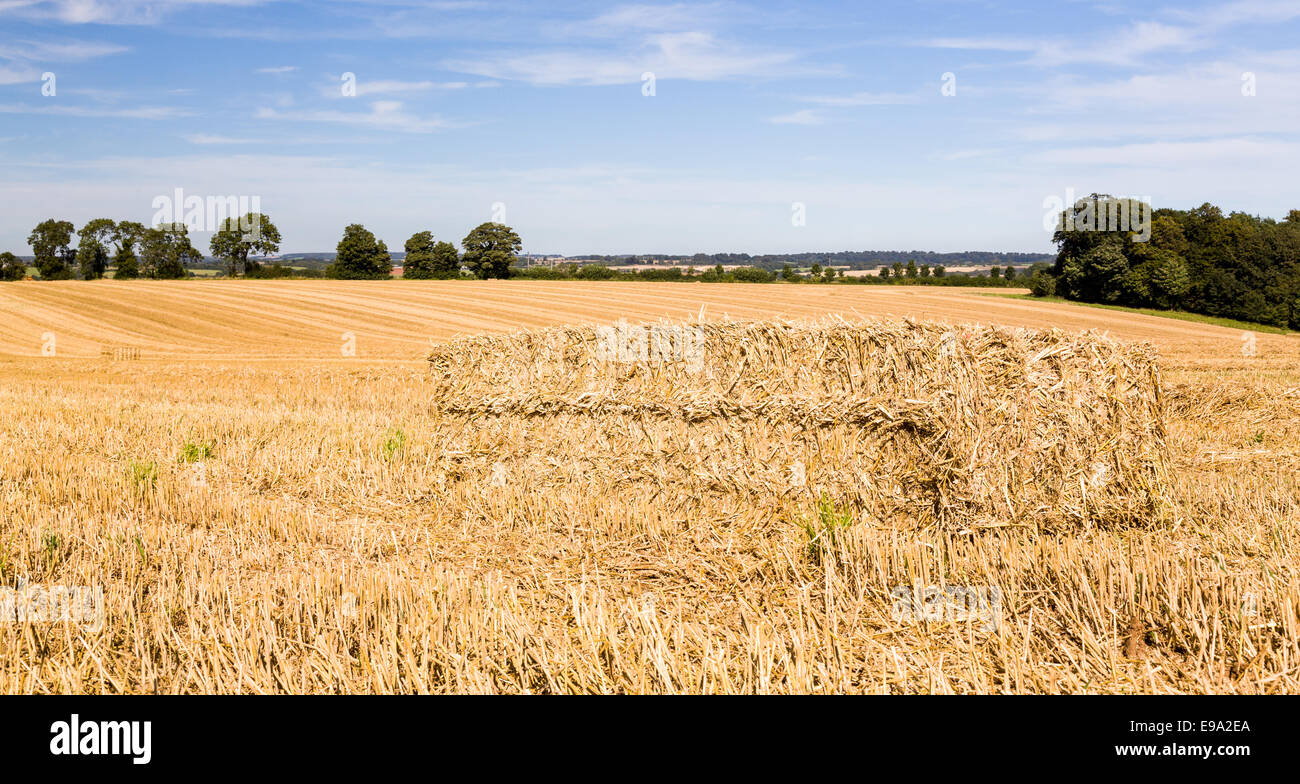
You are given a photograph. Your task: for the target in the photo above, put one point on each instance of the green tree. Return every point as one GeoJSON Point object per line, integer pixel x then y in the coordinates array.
{"type": "Point", "coordinates": [237, 239]}
{"type": "Point", "coordinates": [939, 271]}
{"type": "Point", "coordinates": [898, 269]}
{"type": "Point", "coordinates": [489, 250]}
{"type": "Point", "coordinates": [884, 271]}
{"type": "Point", "coordinates": [788, 273]}
{"type": "Point", "coordinates": [420, 256]}
{"type": "Point", "coordinates": [12, 267]}
{"type": "Point", "coordinates": [51, 242]}
{"type": "Point", "coordinates": [446, 260]}
{"type": "Point", "coordinates": [925, 270]}
{"type": "Point", "coordinates": [752, 275]}
{"type": "Point", "coordinates": [92, 253]}
{"type": "Point", "coordinates": [127, 265]}
{"type": "Point", "coordinates": [165, 250]}
{"type": "Point", "coordinates": [1096, 276]}
{"type": "Point", "coordinates": [361, 256]}
{"type": "Point", "coordinates": [1009, 273]}
{"type": "Point", "coordinates": [1042, 284]}
{"type": "Point", "coordinates": [911, 268]}
{"type": "Point", "coordinates": [127, 235]}
{"type": "Point", "coordinates": [1099, 244]}
{"type": "Point", "coordinates": [995, 273]}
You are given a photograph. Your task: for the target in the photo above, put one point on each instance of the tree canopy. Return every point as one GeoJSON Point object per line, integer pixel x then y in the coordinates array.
{"type": "Point", "coordinates": [12, 267]}
{"type": "Point", "coordinates": [51, 242]}
{"type": "Point", "coordinates": [1236, 266]}
{"type": "Point", "coordinates": [92, 252]}
{"type": "Point", "coordinates": [490, 248]}
{"type": "Point", "coordinates": [236, 239]}
{"type": "Point", "coordinates": [427, 259]}
{"type": "Point", "coordinates": [165, 250]}
{"type": "Point", "coordinates": [361, 256]}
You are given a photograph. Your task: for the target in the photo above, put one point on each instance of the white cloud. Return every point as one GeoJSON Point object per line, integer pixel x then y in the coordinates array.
{"type": "Point", "coordinates": [1241, 154]}
{"type": "Point", "coordinates": [861, 99]}
{"type": "Point", "coordinates": [138, 113]}
{"type": "Point", "coordinates": [57, 51]}
{"type": "Point", "coordinates": [18, 74]}
{"type": "Point", "coordinates": [387, 115]}
{"type": "Point", "coordinates": [802, 117]}
{"type": "Point", "coordinates": [694, 56]}
{"type": "Point", "coordinates": [115, 12]}
{"type": "Point", "coordinates": [1121, 46]}
{"type": "Point", "coordinates": [653, 18]}
{"type": "Point", "coordinates": [204, 138]}
{"type": "Point", "coordinates": [19, 59]}
{"type": "Point", "coordinates": [278, 69]}
{"type": "Point", "coordinates": [383, 87]}
{"type": "Point", "coordinates": [1241, 12]}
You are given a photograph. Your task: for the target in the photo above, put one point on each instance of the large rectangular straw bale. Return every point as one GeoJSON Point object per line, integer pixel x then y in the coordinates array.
{"type": "Point", "coordinates": [905, 422]}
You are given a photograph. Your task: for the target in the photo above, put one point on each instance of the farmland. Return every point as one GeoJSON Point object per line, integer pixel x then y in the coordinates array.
{"type": "Point", "coordinates": [260, 478]}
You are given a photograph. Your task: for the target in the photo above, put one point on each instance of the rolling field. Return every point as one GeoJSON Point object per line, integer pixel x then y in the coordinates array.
{"type": "Point", "coordinates": [259, 478]}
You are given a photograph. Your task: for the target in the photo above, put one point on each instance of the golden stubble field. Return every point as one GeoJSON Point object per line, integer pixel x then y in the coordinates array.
{"type": "Point", "coordinates": [255, 475]}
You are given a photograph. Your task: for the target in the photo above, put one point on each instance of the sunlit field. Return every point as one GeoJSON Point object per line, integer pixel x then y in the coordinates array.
{"type": "Point", "coordinates": [263, 479]}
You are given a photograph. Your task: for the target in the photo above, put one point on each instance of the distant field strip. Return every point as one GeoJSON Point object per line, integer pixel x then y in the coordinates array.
{"type": "Point", "coordinates": [395, 320]}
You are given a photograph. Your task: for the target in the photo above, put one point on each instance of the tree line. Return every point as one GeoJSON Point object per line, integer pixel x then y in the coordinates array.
{"type": "Point", "coordinates": [490, 250]}
{"type": "Point", "coordinates": [1237, 266]}
{"type": "Point", "coordinates": [164, 251]}
{"type": "Point", "coordinates": [136, 251]}
{"type": "Point", "coordinates": [856, 259]}
{"type": "Point", "coordinates": [898, 274]}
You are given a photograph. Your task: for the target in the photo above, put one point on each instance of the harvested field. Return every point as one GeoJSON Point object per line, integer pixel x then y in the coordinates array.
{"type": "Point", "coordinates": [266, 513]}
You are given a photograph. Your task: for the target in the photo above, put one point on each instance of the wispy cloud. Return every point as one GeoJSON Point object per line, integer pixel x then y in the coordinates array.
{"type": "Point", "coordinates": [654, 18]}
{"type": "Point", "coordinates": [389, 86]}
{"type": "Point", "coordinates": [278, 69]}
{"type": "Point", "coordinates": [57, 51]}
{"type": "Point", "coordinates": [204, 138]}
{"type": "Point", "coordinates": [115, 12]}
{"type": "Point", "coordinates": [23, 61]}
{"type": "Point", "coordinates": [862, 99]}
{"type": "Point", "coordinates": [137, 113]}
{"type": "Point", "coordinates": [695, 56]}
{"type": "Point", "coordinates": [802, 117]}
{"type": "Point", "coordinates": [18, 74]}
{"type": "Point", "coordinates": [1124, 46]}
{"type": "Point", "coordinates": [386, 115]}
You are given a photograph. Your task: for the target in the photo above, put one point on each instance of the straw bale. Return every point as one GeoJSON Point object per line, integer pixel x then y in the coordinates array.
{"type": "Point", "coordinates": [904, 422]}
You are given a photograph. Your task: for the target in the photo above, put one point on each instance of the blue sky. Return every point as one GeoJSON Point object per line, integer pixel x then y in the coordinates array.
{"type": "Point", "coordinates": [541, 109]}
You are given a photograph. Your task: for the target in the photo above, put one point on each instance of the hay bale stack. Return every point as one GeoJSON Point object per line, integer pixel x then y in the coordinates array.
{"type": "Point", "coordinates": [904, 422]}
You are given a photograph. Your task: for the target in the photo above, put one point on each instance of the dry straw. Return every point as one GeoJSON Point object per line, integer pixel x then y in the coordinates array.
{"type": "Point", "coordinates": [904, 423]}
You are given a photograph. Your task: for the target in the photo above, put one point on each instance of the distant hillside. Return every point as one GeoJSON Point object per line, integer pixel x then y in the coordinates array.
{"type": "Point", "coordinates": [854, 259]}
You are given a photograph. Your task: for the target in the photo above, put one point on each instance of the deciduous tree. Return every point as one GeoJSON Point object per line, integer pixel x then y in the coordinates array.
{"type": "Point", "coordinates": [92, 252]}
{"type": "Point", "coordinates": [236, 239]}
{"type": "Point", "coordinates": [51, 243]}
{"type": "Point", "coordinates": [361, 256]}
{"type": "Point", "coordinates": [490, 249]}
